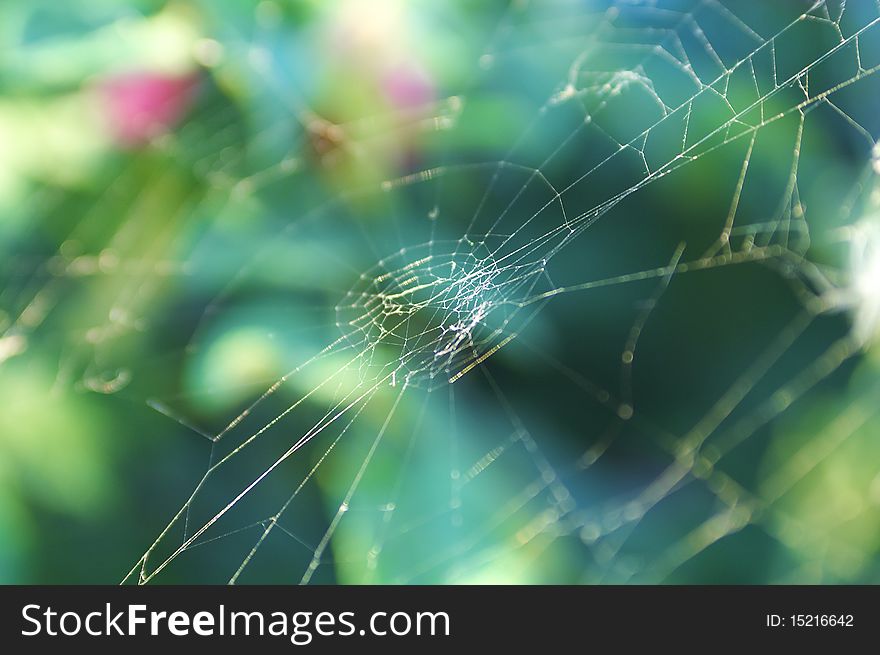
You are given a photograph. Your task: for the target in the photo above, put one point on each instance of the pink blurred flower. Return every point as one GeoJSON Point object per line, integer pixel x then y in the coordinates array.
{"type": "Point", "coordinates": [139, 106]}
{"type": "Point", "coordinates": [408, 86]}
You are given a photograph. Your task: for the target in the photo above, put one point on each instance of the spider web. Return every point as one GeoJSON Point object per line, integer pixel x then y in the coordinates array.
{"type": "Point", "coordinates": [405, 437]}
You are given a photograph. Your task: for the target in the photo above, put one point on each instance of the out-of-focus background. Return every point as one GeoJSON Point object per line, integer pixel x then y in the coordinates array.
{"type": "Point", "coordinates": [188, 189]}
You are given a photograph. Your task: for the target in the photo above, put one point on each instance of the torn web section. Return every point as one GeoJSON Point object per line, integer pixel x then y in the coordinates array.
{"type": "Point", "coordinates": [264, 453]}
